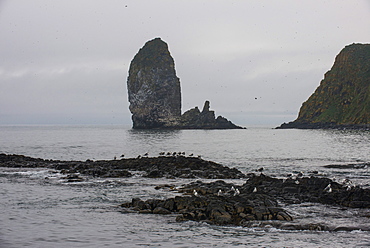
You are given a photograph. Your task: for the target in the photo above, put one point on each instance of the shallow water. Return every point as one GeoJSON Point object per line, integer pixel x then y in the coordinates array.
{"type": "Point", "coordinates": [40, 209]}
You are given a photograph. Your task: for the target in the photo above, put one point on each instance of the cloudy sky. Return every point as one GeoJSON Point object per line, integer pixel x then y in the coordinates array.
{"type": "Point", "coordinates": [66, 62]}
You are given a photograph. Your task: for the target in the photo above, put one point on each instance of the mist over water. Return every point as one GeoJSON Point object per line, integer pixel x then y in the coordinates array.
{"type": "Point", "coordinates": [40, 209]}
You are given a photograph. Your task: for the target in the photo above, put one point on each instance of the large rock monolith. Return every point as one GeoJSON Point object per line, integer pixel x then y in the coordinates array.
{"type": "Point", "coordinates": [154, 94]}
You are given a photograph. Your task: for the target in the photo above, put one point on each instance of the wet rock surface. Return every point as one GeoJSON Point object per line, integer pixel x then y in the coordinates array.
{"type": "Point", "coordinates": [258, 199]}
{"type": "Point", "coordinates": [154, 167]}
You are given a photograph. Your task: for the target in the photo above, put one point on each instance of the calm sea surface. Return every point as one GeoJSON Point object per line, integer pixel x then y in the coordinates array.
{"type": "Point", "coordinates": [40, 209]}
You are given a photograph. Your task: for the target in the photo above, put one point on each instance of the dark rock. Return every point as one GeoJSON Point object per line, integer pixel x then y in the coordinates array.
{"type": "Point", "coordinates": [218, 203]}
{"type": "Point", "coordinates": [160, 210]}
{"type": "Point", "coordinates": [225, 209]}
{"type": "Point", "coordinates": [153, 88]}
{"type": "Point", "coordinates": [194, 119]}
{"type": "Point", "coordinates": [154, 167]}
{"type": "Point", "coordinates": [73, 178]}
{"type": "Point", "coordinates": [154, 94]}
{"type": "Point", "coordinates": [342, 100]}
{"type": "Point", "coordinates": [348, 166]}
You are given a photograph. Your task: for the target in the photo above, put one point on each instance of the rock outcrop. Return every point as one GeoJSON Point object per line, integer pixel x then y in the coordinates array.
{"type": "Point", "coordinates": [174, 165]}
{"type": "Point", "coordinates": [258, 199]}
{"type": "Point", "coordinates": [154, 94]}
{"type": "Point", "coordinates": [343, 98]}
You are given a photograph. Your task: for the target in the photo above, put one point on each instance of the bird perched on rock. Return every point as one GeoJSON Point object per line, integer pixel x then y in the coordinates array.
{"type": "Point", "coordinates": [195, 193]}
{"type": "Point", "coordinates": [219, 193]}
{"type": "Point", "coordinates": [328, 188]}
{"type": "Point", "coordinates": [237, 192]}
{"type": "Point", "coordinates": [254, 190]}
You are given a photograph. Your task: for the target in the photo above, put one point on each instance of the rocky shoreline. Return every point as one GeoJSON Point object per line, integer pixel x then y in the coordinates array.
{"type": "Point", "coordinates": [259, 198]}
{"type": "Point", "coordinates": [322, 125]}
{"type": "Point", "coordinates": [173, 165]}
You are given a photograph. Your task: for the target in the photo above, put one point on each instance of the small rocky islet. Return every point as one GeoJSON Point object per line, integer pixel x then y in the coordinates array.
{"type": "Point", "coordinates": [260, 198]}
{"type": "Point", "coordinates": [154, 93]}
{"type": "Point", "coordinates": [173, 165]}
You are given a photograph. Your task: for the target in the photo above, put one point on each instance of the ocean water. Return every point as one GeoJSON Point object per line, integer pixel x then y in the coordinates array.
{"type": "Point", "coordinates": [38, 208]}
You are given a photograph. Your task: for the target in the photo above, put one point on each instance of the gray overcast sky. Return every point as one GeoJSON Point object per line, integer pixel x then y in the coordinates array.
{"type": "Point", "coordinates": [66, 62]}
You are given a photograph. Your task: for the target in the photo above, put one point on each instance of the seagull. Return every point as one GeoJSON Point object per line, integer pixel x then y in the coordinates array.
{"type": "Point", "coordinates": [146, 154]}
{"type": "Point", "coordinates": [328, 188]}
{"type": "Point", "coordinates": [237, 192]}
{"type": "Point", "coordinates": [191, 155]}
{"type": "Point", "coordinates": [232, 188]}
{"type": "Point", "coordinates": [347, 181]}
{"type": "Point", "coordinates": [195, 192]}
{"type": "Point", "coordinates": [254, 190]}
{"type": "Point", "coordinates": [296, 182]}
{"type": "Point", "coordinates": [122, 156]}
{"type": "Point", "coordinates": [219, 193]}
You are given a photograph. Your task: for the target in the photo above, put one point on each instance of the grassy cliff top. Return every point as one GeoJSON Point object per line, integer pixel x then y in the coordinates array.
{"type": "Point", "coordinates": [343, 97]}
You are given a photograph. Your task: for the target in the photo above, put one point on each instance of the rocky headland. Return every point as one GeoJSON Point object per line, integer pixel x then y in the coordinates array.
{"type": "Point", "coordinates": [154, 93]}
{"type": "Point", "coordinates": [342, 101]}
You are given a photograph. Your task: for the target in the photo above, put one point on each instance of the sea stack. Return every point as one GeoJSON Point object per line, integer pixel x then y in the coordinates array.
{"type": "Point", "coordinates": [343, 98]}
{"type": "Point", "coordinates": [153, 88]}
{"type": "Point", "coordinates": [154, 93]}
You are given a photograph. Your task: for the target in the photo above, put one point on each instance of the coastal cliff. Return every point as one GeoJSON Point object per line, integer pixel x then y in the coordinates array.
{"type": "Point", "coordinates": [343, 98]}
{"type": "Point", "coordinates": [154, 93]}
